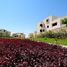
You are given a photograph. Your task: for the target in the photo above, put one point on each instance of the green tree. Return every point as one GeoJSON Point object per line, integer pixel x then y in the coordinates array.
{"type": "Point", "coordinates": [64, 21]}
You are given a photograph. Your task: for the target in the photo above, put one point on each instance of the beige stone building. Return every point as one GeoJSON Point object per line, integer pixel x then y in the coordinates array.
{"type": "Point", "coordinates": [18, 35]}
{"type": "Point", "coordinates": [50, 23]}
{"type": "Point", "coordinates": [4, 33]}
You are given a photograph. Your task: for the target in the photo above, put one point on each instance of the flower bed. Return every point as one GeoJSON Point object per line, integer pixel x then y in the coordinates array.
{"type": "Point", "coordinates": [26, 53]}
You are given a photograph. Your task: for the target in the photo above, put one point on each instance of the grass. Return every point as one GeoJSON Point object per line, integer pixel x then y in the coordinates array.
{"type": "Point", "coordinates": [52, 41]}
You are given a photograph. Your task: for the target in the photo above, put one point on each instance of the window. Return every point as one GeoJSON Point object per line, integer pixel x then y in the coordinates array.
{"type": "Point", "coordinates": [16, 35]}
{"type": "Point", "coordinates": [41, 25]}
{"type": "Point", "coordinates": [54, 24]}
{"type": "Point", "coordinates": [47, 20]}
{"type": "Point", "coordinates": [4, 30]}
{"type": "Point", "coordinates": [47, 26]}
{"type": "Point", "coordinates": [41, 30]}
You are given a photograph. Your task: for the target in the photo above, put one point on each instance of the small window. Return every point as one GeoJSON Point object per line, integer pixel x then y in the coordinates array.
{"type": "Point", "coordinates": [47, 20]}
{"type": "Point", "coordinates": [4, 30]}
{"type": "Point", "coordinates": [47, 26]}
{"type": "Point", "coordinates": [16, 35]}
{"type": "Point", "coordinates": [54, 24]}
{"type": "Point", "coordinates": [41, 30]}
{"type": "Point", "coordinates": [41, 25]}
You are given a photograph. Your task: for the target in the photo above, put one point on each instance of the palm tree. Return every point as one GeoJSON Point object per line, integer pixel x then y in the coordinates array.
{"type": "Point", "coordinates": [64, 21]}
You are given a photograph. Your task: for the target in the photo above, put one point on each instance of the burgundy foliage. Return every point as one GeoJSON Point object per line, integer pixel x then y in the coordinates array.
{"type": "Point", "coordinates": [26, 53]}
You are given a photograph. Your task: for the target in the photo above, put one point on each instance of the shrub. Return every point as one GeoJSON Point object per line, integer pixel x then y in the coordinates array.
{"type": "Point", "coordinates": [51, 34]}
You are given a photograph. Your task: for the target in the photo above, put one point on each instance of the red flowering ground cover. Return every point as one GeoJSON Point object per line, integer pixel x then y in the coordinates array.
{"type": "Point", "coordinates": [26, 53]}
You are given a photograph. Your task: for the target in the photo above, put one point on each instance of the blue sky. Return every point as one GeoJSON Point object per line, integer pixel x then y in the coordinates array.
{"type": "Point", "coordinates": [23, 15]}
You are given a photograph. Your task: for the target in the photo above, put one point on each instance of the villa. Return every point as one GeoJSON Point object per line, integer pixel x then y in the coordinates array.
{"type": "Point", "coordinates": [51, 23]}
{"type": "Point", "coordinates": [18, 35]}
{"type": "Point", "coordinates": [4, 32]}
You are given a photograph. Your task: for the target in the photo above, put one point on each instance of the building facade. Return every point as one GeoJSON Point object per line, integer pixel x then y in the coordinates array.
{"type": "Point", "coordinates": [18, 35]}
{"type": "Point", "coordinates": [4, 33]}
{"type": "Point", "coordinates": [50, 23]}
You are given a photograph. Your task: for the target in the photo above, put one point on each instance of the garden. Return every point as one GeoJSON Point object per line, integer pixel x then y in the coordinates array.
{"type": "Point", "coordinates": [27, 53]}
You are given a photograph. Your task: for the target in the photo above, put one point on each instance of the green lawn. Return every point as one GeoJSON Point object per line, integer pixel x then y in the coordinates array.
{"type": "Point", "coordinates": [52, 40]}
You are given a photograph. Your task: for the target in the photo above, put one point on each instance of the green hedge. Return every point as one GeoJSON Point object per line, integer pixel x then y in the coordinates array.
{"type": "Point", "coordinates": [51, 34]}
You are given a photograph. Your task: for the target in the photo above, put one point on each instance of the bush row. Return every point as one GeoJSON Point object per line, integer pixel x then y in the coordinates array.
{"type": "Point", "coordinates": [51, 34]}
